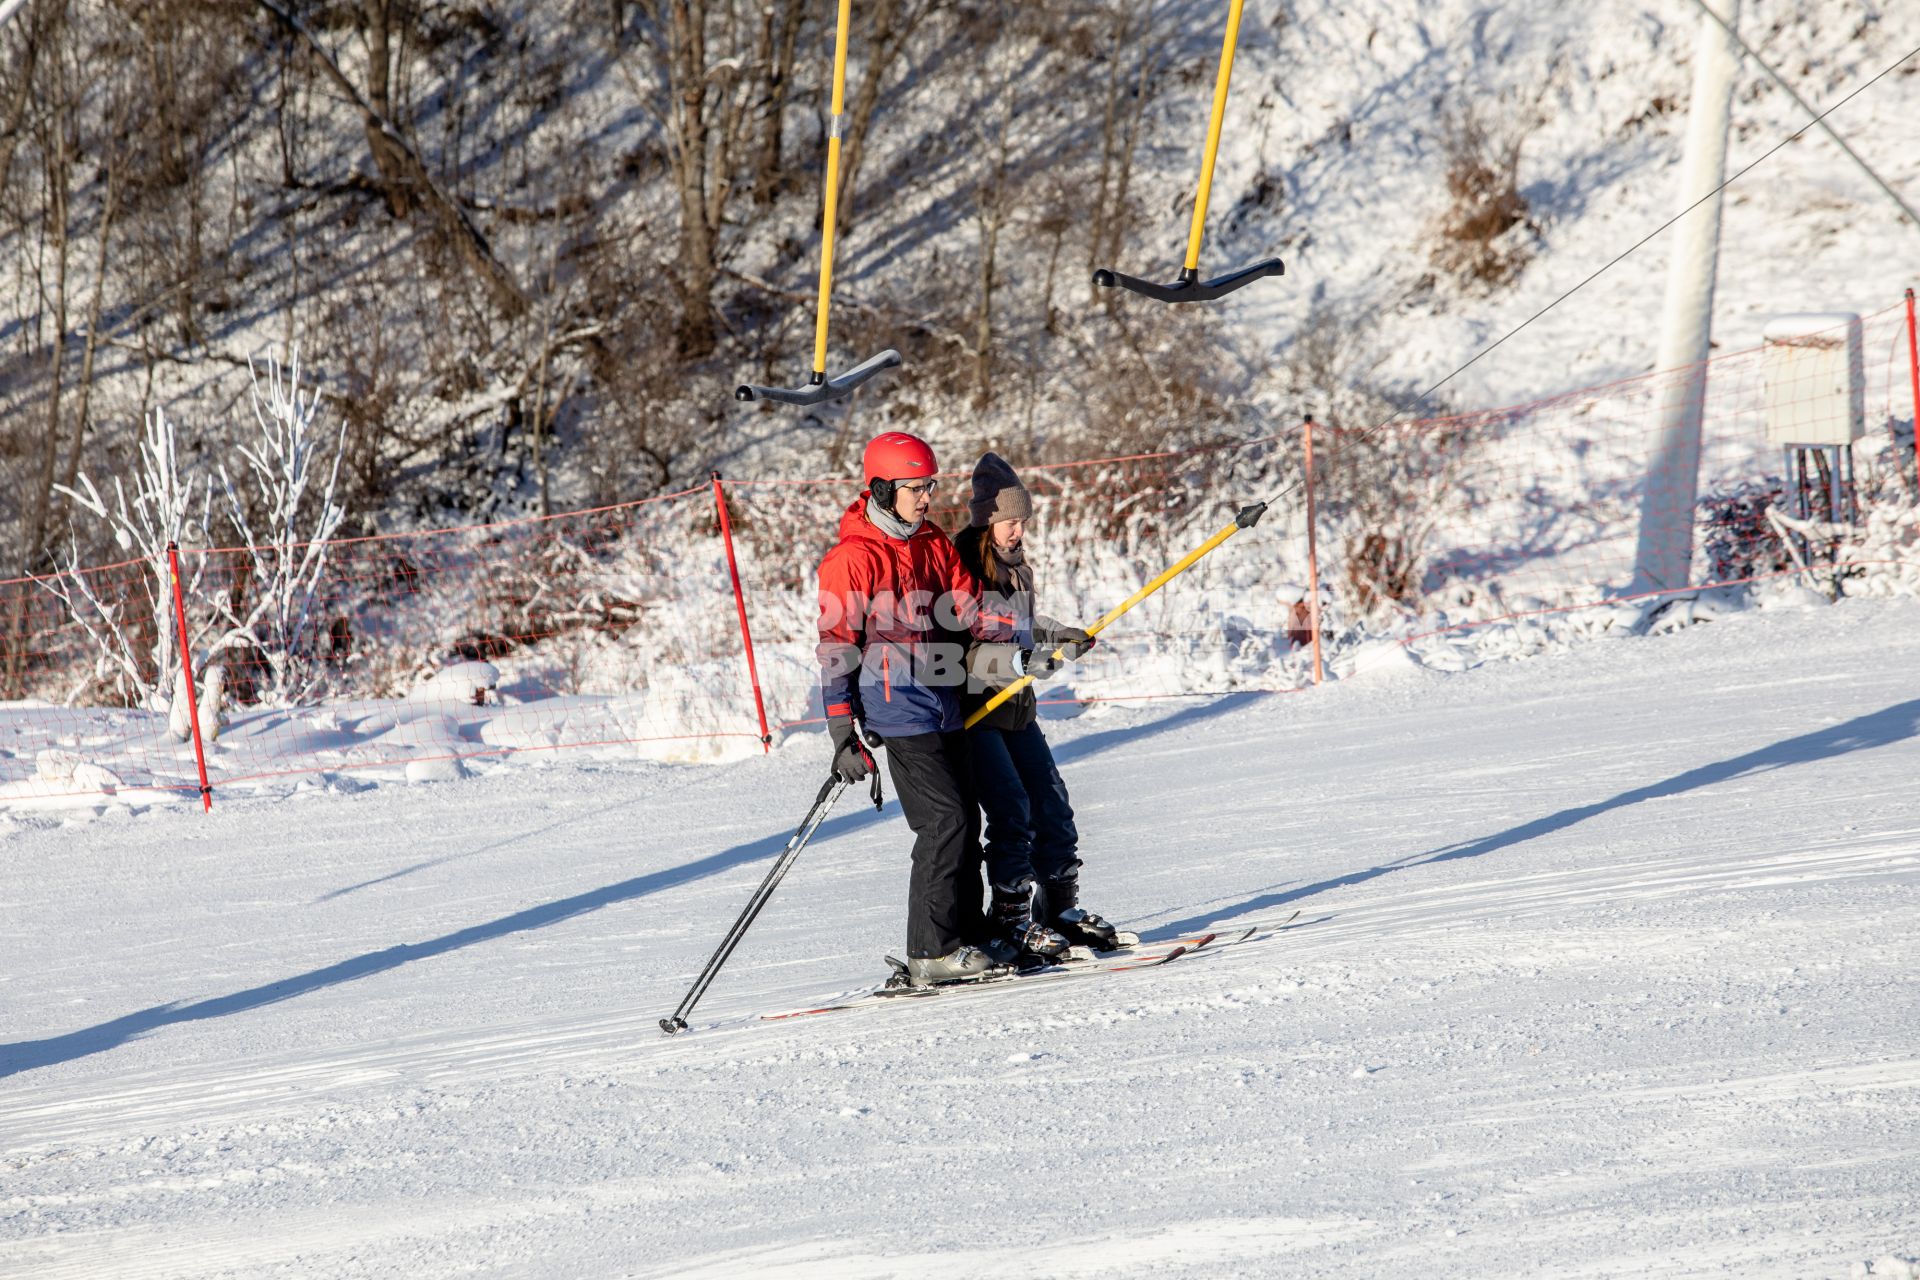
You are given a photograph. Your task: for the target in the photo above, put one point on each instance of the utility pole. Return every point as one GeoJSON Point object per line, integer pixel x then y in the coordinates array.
{"type": "Point", "coordinates": [1664, 555]}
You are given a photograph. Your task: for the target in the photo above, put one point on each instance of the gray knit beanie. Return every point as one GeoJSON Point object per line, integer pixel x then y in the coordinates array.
{"type": "Point", "coordinates": [997, 493]}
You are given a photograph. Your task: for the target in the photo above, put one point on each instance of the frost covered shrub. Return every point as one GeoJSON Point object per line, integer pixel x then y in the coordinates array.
{"type": "Point", "coordinates": [1478, 242]}
{"type": "Point", "coordinates": [131, 627]}
{"type": "Point", "coordinates": [284, 509]}
{"type": "Point", "coordinates": [1382, 480]}
{"type": "Point", "coordinates": [1161, 389]}
{"type": "Point", "coordinates": [1383, 492]}
{"type": "Point", "coordinates": [1735, 534]}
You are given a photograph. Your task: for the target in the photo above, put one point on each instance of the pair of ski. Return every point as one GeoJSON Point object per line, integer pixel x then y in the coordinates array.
{"type": "Point", "coordinates": [1087, 963]}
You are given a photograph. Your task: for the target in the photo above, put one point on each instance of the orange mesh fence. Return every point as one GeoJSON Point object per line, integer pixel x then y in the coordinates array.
{"type": "Point", "coordinates": [427, 655]}
{"type": "Point", "coordinates": [1544, 511]}
{"type": "Point", "coordinates": [417, 655]}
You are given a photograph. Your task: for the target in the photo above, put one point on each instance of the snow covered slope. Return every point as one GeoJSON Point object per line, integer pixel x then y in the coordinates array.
{"type": "Point", "coordinates": [1608, 968]}
{"type": "Point", "coordinates": [1344, 110]}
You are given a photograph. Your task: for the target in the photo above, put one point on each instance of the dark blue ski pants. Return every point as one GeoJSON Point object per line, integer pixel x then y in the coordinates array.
{"type": "Point", "coordinates": [1029, 829]}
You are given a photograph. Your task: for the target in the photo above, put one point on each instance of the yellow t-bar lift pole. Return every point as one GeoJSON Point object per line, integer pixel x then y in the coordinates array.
{"type": "Point", "coordinates": [1248, 517]}
{"type": "Point", "coordinates": [820, 388]}
{"type": "Point", "coordinates": [836, 126]}
{"type": "Point", "coordinates": [1190, 287]}
{"type": "Point", "coordinates": [1220, 82]}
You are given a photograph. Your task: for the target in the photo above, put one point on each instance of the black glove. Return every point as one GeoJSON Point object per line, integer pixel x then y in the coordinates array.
{"type": "Point", "coordinates": [852, 762]}
{"type": "Point", "coordinates": [1071, 642]}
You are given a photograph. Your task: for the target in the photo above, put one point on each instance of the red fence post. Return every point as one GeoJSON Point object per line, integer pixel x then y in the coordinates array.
{"type": "Point", "coordinates": [1913, 371]}
{"type": "Point", "coordinates": [186, 660]}
{"type": "Point", "coordinates": [1313, 556]}
{"type": "Point", "coordinates": [740, 603]}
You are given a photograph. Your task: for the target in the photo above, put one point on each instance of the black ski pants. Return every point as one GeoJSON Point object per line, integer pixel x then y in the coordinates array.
{"type": "Point", "coordinates": [1030, 831]}
{"type": "Point", "coordinates": [933, 776]}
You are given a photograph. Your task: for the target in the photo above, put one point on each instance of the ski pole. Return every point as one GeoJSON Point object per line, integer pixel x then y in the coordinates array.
{"type": "Point", "coordinates": [829, 792]}
{"type": "Point", "coordinates": [1248, 517]}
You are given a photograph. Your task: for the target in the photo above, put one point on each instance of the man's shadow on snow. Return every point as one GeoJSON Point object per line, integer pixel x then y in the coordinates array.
{"type": "Point", "coordinates": [29, 1055]}
{"type": "Point", "coordinates": [1863, 733]}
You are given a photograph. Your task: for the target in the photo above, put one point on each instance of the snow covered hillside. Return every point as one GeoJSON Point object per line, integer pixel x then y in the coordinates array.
{"type": "Point", "coordinates": [1606, 967]}
{"type": "Point", "coordinates": [1594, 98]}
{"type": "Point", "coordinates": [564, 374]}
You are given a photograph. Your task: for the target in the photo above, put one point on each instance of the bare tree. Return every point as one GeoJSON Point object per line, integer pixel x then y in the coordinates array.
{"type": "Point", "coordinates": [57, 125]}
{"type": "Point", "coordinates": [110, 150]}
{"type": "Point", "coordinates": [34, 37]}
{"type": "Point", "coordinates": [379, 18]}
{"type": "Point", "coordinates": [708, 55]}
{"type": "Point", "coordinates": [994, 201]}
{"type": "Point", "coordinates": [784, 21]}
{"type": "Point", "coordinates": [459, 229]}
{"type": "Point", "coordinates": [1135, 61]}
{"type": "Point", "coordinates": [888, 23]}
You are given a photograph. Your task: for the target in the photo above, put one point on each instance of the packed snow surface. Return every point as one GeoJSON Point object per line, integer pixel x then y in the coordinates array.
{"type": "Point", "coordinates": [1606, 965]}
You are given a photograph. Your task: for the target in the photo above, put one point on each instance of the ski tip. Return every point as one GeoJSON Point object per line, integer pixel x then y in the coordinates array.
{"type": "Point", "coordinates": [803, 1013]}
{"type": "Point", "coordinates": [1151, 961]}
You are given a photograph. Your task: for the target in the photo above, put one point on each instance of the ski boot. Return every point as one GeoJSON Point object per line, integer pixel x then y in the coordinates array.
{"type": "Point", "coordinates": [964, 964]}
{"type": "Point", "coordinates": [1001, 950]}
{"type": "Point", "coordinates": [1034, 945]}
{"type": "Point", "coordinates": [1065, 916]}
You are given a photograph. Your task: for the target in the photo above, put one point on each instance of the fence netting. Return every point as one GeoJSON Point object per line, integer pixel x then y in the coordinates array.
{"type": "Point", "coordinates": [1457, 540]}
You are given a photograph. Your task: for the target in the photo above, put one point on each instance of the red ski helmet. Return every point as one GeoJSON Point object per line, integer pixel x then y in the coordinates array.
{"type": "Point", "coordinates": [897, 456]}
{"type": "Point", "coordinates": [892, 457]}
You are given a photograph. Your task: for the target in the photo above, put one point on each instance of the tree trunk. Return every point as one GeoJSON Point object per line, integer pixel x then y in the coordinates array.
{"type": "Point", "coordinates": [379, 18]}
{"type": "Point", "coordinates": [72, 470]}
{"type": "Point", "coordinates": [1047, 314]}
{"type": "Point", "coordinates": [1109, 126]}
{"type": "Point", "coordinates": [990, 222]}
{"type": "Point", "coordinates": [711, 95]}
{"type": "Point", "coordinates": [887, 35]}
{"type": "Point", "coordinates": [22, 96]}
{"type": "Point", "coordinates": [1123, 115]}
{"type": "Point", "coordinates": [452, 220]}
{"type": "Point", "coordinates": [994, 199]}
{"type": "Point", "coordinates": [59, 193]}
{"type": "Point", "coordinates": [686, 53]}
{"type": "Point", "coordinates": [783, 35]}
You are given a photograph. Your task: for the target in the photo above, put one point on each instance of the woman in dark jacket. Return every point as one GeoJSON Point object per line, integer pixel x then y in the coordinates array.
{"type": "Point", "coordinates": [1032, 846]}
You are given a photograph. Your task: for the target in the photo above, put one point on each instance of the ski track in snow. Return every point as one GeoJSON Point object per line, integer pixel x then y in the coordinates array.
{"type": "Point", "coordinates": [1605, 966]}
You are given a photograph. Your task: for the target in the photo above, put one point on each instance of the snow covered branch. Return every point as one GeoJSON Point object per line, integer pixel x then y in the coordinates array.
{"type": "Point", "coordinates": [285, 563]}
{"type": "Point", "coordinates": [136, 640]}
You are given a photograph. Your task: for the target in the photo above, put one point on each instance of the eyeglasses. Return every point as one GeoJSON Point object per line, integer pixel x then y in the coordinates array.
{"type": "Point", "coordinates": [925, 486]}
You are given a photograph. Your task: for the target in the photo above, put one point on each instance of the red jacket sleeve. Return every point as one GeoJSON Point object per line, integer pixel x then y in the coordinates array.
{"type": "Point", "coordinates": [844, 596]}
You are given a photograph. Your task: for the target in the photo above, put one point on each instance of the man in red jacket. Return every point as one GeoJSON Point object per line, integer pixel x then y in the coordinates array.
{"type": "Point", "coordinates": [896, 608]}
